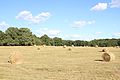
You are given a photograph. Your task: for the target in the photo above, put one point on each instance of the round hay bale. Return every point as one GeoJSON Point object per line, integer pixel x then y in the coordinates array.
{"type": "Point", "coordinates": [69, 49]}
{"type": "Point", "coordinates": [16, 58]}
{"type": "Point", "coordinates": [38, 48]}
{"type": "Point", "coordinates": [96, 46]}
{"type": "Point", "coordinates": [108, 57]}
{"type": "Point", "coordinates": [34, 45]}
{"type": "Point", "coordinates": [105, 50]}
{"type": "Point", "coordinates": [64, 46]}
{"type": "Point", "coordinates": [117, 46]}
{"type": "Point", "coordinates": [72, 45]}
{"type": "Point", "coordinates": [44, 45]}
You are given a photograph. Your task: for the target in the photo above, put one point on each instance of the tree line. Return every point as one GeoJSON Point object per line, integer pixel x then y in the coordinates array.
{"type": "Point", "coordinates": [14, 36]}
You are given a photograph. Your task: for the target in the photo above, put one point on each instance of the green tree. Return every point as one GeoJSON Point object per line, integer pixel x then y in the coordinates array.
{"type": "Point", "coordinates": [12, 32]}
{"type": "Point", "coordinates": [118, 42]}
{"type": "Point", "coordinates": [22, 36]}
{"type": "Point", "coordinates": [25, 37]}
{"type": "Point", "coordinates": [68, 42]}
{"type": "Point", "coordinates": [80, 43]}
{"type": "Point", "coordinates": [37, 40]}
{"type": "Point", "coordinates": [57, 41]}
{"type": "Point", "coordinates": [2, 37]}
{"type": "Point", "coordinates": [45, 40]}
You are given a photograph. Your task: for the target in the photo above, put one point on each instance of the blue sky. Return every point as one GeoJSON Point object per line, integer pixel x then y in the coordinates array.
{"type": "Point", "coordinates": [67, 19]}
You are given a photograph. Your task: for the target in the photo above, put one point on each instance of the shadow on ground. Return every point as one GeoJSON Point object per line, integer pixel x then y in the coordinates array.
{"type": "Point", "coordinates": [99, 60]}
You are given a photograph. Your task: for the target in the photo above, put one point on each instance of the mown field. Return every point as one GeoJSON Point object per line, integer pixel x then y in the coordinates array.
{"type": "Point", "coordinates": [58, 63]}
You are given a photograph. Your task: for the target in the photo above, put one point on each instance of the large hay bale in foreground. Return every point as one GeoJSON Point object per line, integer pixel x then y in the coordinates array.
{"type": "Point", "coordinates": [15, 58]}
{"type": "Point", "coordinates": [108, 57]}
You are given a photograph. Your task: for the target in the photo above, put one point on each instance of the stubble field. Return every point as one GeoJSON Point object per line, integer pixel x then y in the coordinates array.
{"type": "Point", "coordinates": [58, 63]}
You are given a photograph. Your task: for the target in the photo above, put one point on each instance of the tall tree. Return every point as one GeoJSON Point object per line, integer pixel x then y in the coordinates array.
{"type": "Point", "coordinates": [37, 40]}
{"type": "Point", "coordinates": [2, 37]}
{"type": "Point", "coordinates": [13, 32]}
{"type": "Point", "coordinates": [22, 36]}
{"type": "Point", "coordinates": [118, 42]}
{"type": "Point", "coordinates": [25, 37]}
{"type": "Point", "coordinates": [57, 41]}
{"type": "Point", "coordinates": [45, 40]}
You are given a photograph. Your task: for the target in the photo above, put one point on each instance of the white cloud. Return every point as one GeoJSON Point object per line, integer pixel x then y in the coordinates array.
{"type": "Point", "coordinates": [27, 15]}
{"type": "Point", "coordinates": [115, 3]}
{"type": "Point", "coordinates": [74, 36]}
{"type": "Point", "coordinates": [49, 32]}
{"type": "Point", "coordinates": [79, 37]}
{"type": "Point", "coordinates": [99, 7]}
{"type": "Point", "coordinates": [3, 25]}
{"type": "Point", "coordinates": [88, 36]}
{"type": "Point", "coordinates": [97, 33]}
{"type": "Point", "coordinates": [81, 23]}
{"type": "Point", "coordinates": [117, 34]}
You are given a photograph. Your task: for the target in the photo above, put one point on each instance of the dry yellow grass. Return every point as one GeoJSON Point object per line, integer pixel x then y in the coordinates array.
{"type": "Point", "coordinates": [54, 63]}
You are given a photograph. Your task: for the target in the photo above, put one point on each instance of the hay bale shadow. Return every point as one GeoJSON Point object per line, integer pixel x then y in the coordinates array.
{"type": "Point", "coordinates": [100, 51]}
{"type": "Point", "coordinates": [99, 60]}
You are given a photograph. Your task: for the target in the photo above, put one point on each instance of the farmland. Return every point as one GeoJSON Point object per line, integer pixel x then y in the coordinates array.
{"type": "Point", "coordinates": [58, 63]}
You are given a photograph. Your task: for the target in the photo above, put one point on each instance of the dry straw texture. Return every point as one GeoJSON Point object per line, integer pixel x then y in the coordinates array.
{"type": "Point", "coordinates": [15, 58]}
{"type": "Point", "coordinates": [108, 57]}
{"type": "Point", "coordinates": [57, 63]}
